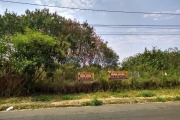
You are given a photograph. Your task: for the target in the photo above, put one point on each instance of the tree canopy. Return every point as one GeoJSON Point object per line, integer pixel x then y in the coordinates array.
{"type": "Point", "coordinates": [152, 60]}
{"type": "Point", "coordinates": [75, 40]}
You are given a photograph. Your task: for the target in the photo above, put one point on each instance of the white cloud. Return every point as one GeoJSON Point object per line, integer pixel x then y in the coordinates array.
{"type": "Point", "coordinates": [126, 46]}
{"type": "Point", "coordinates": [1, 10]}
{"type": "Point", "coordinates": [132, 30]}
{"type": "Point", "coordinates": [152, 15]}
{"type": "Point", "coordinates": [155, 19]}
{"type": "Point", "coordinates": [169, 17]}
{"type": "Point", "coordinates": [177, 11]}
{"type": "Point", "coordinates": [68, 13]}
{"type": "Point", "coordinates": [165, 31]}
{"type": "Point", "coordinates": [38, 2]}
{"type": "Point", "coordinates": [161, 16]}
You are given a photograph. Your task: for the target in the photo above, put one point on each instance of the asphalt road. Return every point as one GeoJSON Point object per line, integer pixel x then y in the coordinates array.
{"type": "Point", "coordinates": [149, 111]}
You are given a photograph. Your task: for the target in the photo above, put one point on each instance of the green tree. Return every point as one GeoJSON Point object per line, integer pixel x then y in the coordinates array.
{"type": "Point", "coordinates": [3, 52]}
{"type": "Point", "coordinates": [6, 58]}
{"type": "Point", "coordinates": [75, 40]}
{"type": "Point", "coordinates": [34, 51]}
{"type": "Point", "coordinates": [10, 24]}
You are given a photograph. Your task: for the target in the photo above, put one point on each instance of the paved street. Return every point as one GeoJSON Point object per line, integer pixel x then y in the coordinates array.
{"type": "Point", "coordinates": [149, 111]}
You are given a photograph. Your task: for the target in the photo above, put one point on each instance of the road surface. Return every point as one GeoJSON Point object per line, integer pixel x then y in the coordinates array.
{"type": "Point", "coordinates": [149, 111]}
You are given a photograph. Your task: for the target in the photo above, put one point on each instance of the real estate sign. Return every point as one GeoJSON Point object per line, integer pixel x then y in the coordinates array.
{"type": "Point", "coordinates": [85, 76]}
{"type": "Point", "coordinates": [118, 75]}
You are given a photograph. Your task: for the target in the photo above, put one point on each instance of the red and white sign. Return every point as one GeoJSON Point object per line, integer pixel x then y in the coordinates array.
{"type": "Point", "coordinates": [85, 76]}
{"type": "Point", "coordinates": [118, 75]}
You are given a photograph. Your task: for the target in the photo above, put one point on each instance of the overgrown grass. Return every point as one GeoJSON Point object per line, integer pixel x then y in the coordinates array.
{"type": "Point", "coordinates": [160, 99]}
{"type": "Point", "coordinates": [26, 106]}
{"type": "Point", "coordinates": [65, 81]}
{"type": "Point", "coordinates": [14, 100]}
{"type": "Point", "coordinates": [177, 98]}
{"type": "Point", "coordinates": [135, 101]}
{"type": "Point", "coordinates": [87, 103]}
{"type": "Point", "coordinates": [97, 98]}
{"type": "Point", "coordinates": [126, 96]}
{"type": "Point", "coordinates": [68, 97]}
{"type": "Point", "coordinates": [44, 98]}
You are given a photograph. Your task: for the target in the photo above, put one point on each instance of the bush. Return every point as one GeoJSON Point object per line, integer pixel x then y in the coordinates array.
{"type": "Point", "coordinates": [146, 94]}
{"type": "Point", "coordinates": [96, 102]}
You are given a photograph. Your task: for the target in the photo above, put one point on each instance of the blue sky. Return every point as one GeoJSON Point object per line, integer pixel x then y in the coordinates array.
{"type": "Point", "coordinates": [123, 45]}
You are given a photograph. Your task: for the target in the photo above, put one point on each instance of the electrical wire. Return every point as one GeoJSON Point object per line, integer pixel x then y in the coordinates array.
{"type": "Point", "coordinates": [137, 25]}
{"type": "Point", "coordinates": [143, 34]}
{"type": "Point", "coordinates": [115, 26]}
{"type": "Point", "coordinates": [133, 33]}
{"type": "Point", "coordinates": [95, 10]}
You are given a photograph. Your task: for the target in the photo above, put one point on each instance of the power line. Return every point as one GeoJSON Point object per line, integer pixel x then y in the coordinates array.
{"type": "Point", "coordinates": [95, 10]}
{"type": "Point", "coordinates": [141, 27]}
{"type": "Point", "coordinates": [139, 32]}
{"type": "Point", "coordinates": [142, 34]}
{"type": "Point", "coordinates": [137, 25]}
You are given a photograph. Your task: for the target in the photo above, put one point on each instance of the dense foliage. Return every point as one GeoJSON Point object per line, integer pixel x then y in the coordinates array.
{"type": "Point", "coordinates": [35, 44]}
{"type": "Point", "coordinates": [42, 52]}
{"type": "Point", "coordinates": [76, 40]}
{"type": "Point", "coordinates": [154, 60]}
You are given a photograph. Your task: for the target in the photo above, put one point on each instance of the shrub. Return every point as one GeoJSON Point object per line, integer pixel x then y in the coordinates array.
{"type": "Point", "coordinates": [96, 102]}
{"type": "Point", "coordinates": [146, 94]}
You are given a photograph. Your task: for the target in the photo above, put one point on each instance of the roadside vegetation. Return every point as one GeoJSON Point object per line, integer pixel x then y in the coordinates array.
{"type": "Point", "coordinates": [173, 93]}
{"type": "Point", "coordinates": [91, 99]}
{"type": "Point", "coordinates": [41, 54]}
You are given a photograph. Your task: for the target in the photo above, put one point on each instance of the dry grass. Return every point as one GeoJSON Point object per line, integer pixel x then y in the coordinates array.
{"type": "Point", "coordinates": [44, 101]}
